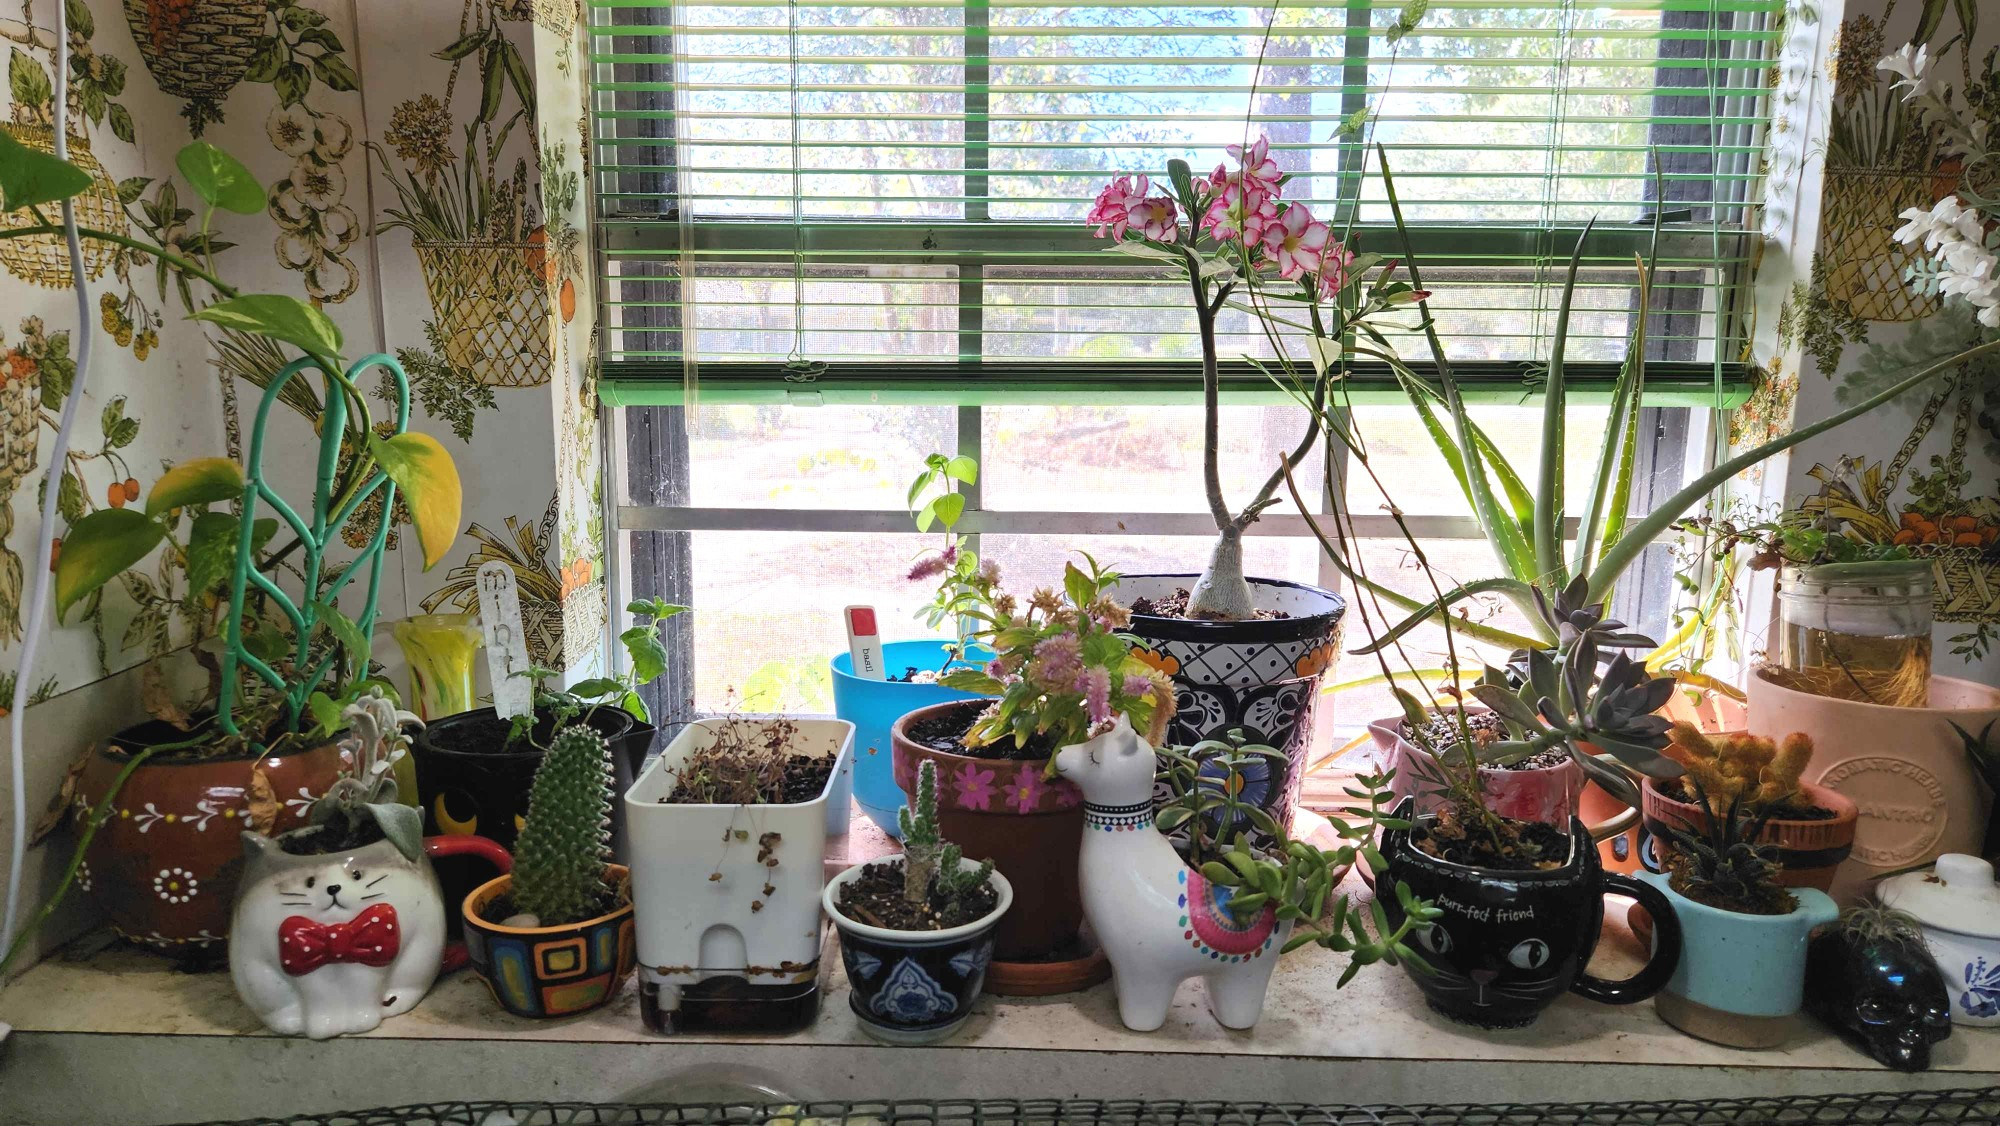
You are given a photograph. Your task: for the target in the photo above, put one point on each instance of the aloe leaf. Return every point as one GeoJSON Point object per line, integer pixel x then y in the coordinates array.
{"type": "Point", "coordinates": [1549, 487]}
{"type": "Point", "coordinates": [1518, 497]}
{"type": "Point", "coordinates": [1601, 524]}
{"type": "Point", "coordinates": [1620, 555]}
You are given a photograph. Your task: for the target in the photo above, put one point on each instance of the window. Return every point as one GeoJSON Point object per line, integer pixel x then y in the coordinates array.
{"type": "Point", "coordinates": [894, 191]}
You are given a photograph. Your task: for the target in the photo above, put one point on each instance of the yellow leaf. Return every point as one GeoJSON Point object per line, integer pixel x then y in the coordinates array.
{"type": "Point", "coordinates": [421, 467]}
{"type": "Point", "coordinates": [201, 480]}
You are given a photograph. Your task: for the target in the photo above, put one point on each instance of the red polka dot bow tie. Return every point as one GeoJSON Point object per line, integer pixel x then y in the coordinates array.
{"type": "Point", "coordinates": [370, 938]}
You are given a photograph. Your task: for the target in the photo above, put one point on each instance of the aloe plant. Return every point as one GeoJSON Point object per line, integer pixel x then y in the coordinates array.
{"type": "Point", "coordinates": [1523, 526]}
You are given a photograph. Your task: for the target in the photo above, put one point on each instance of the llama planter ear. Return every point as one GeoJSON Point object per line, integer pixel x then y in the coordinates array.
{"type": "Point", "coordinates": [1159, 922]}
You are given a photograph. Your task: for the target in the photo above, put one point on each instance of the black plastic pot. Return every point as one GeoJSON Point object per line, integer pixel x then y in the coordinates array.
{"type": "Point", "coordinates": [1509, 943]}
{"type": "Point", "coordinates": [469, 785]}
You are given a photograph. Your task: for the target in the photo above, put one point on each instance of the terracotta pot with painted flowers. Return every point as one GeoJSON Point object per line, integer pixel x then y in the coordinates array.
{"type": "Point", "coordinates": [1062, 667]}
{"type": "Point", "coordinates": [165, 864]}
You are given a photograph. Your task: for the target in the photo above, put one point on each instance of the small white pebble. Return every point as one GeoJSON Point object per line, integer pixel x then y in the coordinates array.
{"type": "Point", "coordinates": [521, 920]}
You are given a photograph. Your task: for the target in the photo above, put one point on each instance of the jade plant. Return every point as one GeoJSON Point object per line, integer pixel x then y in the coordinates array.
{"type": "Point", "coordinates": [932, 871]}
{"type": "Point", "coordinates": [1062, 668]}
{"type": "Point", "coordinates": [565, 842]}
{"type": "Point", "coordinates": [1294, 878]}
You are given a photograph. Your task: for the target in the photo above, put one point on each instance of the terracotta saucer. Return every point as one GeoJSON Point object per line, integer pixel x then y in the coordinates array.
{"type": "Point", "coordinates": [1088, 967]}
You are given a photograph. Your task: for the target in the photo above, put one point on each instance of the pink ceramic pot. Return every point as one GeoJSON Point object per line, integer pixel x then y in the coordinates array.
{"type": "Point", "coordinates": [1905, 768]}
{"type": "Point", "coordinates": [1548, 795]}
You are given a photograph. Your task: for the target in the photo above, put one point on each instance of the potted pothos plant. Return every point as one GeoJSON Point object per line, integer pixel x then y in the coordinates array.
{"type": "Point", "coordinates": [282, 658]}
{"type": "Point", "coordinates": [910, 672]}
{"type": "Point", "coordinates": [1062, 666]}
{"type": "Point", "coordinates": [916, 930]}
{"type": "Point", "coordinates": [473, 769]}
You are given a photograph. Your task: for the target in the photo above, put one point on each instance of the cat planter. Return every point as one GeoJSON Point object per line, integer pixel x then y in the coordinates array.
{"type": "Point", "coordinates": [1509, 943]}
{"type": "Point", "coordinates": [1958, 906]}
{"type": "Point", "coordinates": [914, 987]}
{"type": "Point", "coordinates": [1159, 921]}
{"type": "Point", "coordinates": [329, 943]}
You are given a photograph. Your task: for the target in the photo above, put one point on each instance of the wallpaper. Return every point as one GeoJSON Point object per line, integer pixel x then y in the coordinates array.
{"type": "Point", "coordinates": [425, 174]}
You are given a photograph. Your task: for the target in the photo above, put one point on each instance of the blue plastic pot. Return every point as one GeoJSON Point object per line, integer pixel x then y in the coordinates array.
{"type": "Point", "coordinates": [873, 706]}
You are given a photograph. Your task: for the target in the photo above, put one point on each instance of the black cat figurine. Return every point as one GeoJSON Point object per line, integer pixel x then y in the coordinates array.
{"type": "Point", "coordinates": [1509, 943]}
{"type": "Point", "coordinates": [1871, 978]}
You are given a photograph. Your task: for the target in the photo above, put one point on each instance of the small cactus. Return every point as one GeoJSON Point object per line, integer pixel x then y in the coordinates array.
{"type": "Point", "coordinates": [1760, 773]}
{"type": "Point", "coordinates": [929, 861]}
{"type": "Point", "coordinates": [560, 856]}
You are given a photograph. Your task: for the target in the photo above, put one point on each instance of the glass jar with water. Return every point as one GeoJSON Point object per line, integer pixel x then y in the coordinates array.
{"type": "Point", "coordinates": [1858, 631]}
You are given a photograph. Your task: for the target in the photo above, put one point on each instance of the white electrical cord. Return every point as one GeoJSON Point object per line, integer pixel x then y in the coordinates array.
{"type": "Point", "coordinates": [38, 563]}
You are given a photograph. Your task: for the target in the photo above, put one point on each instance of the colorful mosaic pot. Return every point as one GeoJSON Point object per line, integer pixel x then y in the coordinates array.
{"type": "Point", "coordinates": [550, 971]}
{"type": "Point", "coordinates": [1260, 677]}
{"type": "Point", "coordinates": [165, 865]}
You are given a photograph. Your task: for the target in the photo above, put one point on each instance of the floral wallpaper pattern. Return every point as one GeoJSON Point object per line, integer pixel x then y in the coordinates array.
{"type": "Point", "coordinates": [470, 269]}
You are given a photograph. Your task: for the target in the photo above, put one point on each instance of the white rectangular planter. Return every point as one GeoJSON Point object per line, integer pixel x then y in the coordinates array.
{"type": "Point", "coordinates": [706, 901]}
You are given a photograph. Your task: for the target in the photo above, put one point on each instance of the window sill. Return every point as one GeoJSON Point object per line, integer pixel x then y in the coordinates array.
{"type": "Point", "coordinates": [192, 1051]}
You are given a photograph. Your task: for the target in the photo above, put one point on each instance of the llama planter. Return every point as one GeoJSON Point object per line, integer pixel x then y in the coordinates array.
{"type": "Point", "coordinates": [1157, 919]}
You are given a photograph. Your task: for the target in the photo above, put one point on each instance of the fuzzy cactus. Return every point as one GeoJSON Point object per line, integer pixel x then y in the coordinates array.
{"type": "Point", "coordinates": [560, 856]}
{"type": "Point", "coordinates": [931, 863]}
{"type": "Point", "coordinates": [1761, 773]}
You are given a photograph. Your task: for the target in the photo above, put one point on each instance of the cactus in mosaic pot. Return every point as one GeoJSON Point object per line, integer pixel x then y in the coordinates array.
{"type": "Point", "coordinates": [931, 863]}
{"type": "Point", "coordinates": [565, 844]}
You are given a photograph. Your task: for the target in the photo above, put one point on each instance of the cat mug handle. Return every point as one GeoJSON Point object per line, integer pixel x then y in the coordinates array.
{"type": "Point", "coordinates": [455, 956]}
{"type": "Point", "coordinates": [1666, 956]}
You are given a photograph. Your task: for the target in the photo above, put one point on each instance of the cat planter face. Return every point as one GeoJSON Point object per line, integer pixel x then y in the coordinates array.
{"type": "Point", "coordinates": [324, 945]}
{"type": "Point", "coordinates": [1509, 943]}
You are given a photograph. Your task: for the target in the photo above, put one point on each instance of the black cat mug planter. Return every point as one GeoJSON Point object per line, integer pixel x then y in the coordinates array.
{"type": "Point", "coordinates": [1510, 942]}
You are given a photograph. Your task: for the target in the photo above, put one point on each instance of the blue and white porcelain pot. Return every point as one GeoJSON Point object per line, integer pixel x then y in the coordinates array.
{"type": "Point", "coordinates": [914, 987]}
{"type": "Point", "coordinates": [1260, 676]}
{"type": "Point", "coordinates": [1958, 905]}
{"type": "Point", "coordinates": [1741, 977]}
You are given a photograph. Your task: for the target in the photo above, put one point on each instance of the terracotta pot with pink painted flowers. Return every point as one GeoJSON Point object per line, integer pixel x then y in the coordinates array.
{"type": "Point", "coordinates": [1000, 805]}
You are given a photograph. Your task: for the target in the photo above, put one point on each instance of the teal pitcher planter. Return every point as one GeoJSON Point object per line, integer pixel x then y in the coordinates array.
{"type": "Point", "coordinates": [1741, 977]}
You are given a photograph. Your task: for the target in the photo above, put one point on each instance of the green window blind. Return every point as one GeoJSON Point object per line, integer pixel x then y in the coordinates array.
{"type": "Point", "coordinates": [895, 192]}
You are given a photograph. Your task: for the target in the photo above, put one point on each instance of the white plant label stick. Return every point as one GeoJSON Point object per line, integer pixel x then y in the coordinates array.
{"type": "Point", "coordinates": [864, 645]}
{"type": "Point", "coordinates": [506, 645]}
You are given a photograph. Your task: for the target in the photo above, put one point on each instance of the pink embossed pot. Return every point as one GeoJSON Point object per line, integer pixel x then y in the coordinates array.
{"type": "Point", "coordinates": [1905, 768]}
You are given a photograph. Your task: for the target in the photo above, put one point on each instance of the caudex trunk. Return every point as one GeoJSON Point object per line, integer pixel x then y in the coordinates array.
{"type": "Point", "coordinates": [1222, 593]}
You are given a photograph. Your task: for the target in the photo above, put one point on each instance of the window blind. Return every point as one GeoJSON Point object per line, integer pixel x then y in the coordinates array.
{"type": "Point", "coordinates": [892, 194]}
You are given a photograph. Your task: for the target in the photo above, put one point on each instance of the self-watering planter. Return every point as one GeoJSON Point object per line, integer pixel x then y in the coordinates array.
{"type": "Point", "coordinates": [873, 707]}
{"type": "Point", "coordinates": [1261, 676]}
{"type": "Point", "coordinates": [727, 896]}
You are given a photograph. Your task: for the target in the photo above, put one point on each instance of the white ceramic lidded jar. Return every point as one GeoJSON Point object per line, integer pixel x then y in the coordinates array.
{"type": "Point", "coordinates": [1959, 906]}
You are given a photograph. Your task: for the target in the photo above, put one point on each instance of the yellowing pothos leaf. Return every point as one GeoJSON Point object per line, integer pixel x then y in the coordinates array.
{"type": "Point", "coordinates": [97, 548]}
{"type": "Point", "coordinates": [202, 480]}
{"type": "Point", "coordinates": [423, 469]}
{"type": "Point", "coordinates": [219, 179]}
{"type": "Point", "coordinates": [279, 317]}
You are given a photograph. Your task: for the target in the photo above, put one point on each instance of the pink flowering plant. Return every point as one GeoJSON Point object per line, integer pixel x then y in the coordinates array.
{"type": "Point", "coordinates": [1241, 244]}
{"type": "Point", "coordinates": [1062, 668]}
{"type": "Point", "coordinates": [965, 583]}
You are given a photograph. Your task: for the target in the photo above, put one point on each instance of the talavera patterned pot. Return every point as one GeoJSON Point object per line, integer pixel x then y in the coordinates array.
{"type": "Point", "coordinates": [914, 987]}
{"type": "Point", "coordinates": [166, 863]}
{"type": "Point", "coordinates": [1261, 676]}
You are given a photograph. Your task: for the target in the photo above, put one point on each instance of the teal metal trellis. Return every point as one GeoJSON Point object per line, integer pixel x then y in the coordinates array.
{"type": "Point", "coordinates": [314, 538]}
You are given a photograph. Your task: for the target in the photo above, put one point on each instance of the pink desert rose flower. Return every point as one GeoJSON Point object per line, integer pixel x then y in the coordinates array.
{"type": "Point", "coordinates": [1237, 211]}
{"type": "Point", "coordinates": [1295, 242]}
{"type": "Point", "coordinates": [975, 787]}
{"type": "Point", "coordinates": [1156, 218]}
{"type": "Point", "coordinates": [1026, 789]}
{"type": "Point", "coordinates": [1258, 167]}
{"type": "Point", "coordinates": [1333, 265]}
{"type": "Point", "coordinates": [1112, 211]}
